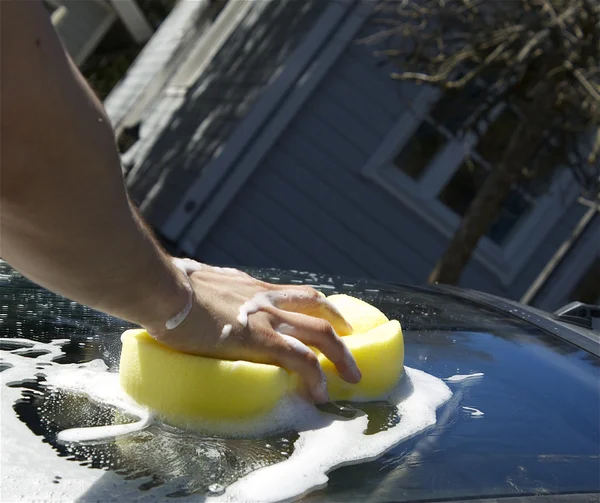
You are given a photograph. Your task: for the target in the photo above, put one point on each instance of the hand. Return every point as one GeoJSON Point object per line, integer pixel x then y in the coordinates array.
{"type": "Point", "coordinates": [237, 317]}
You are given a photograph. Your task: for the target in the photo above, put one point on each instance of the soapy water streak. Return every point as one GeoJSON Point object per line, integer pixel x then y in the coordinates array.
{"type": "Point", "coordinates": [274, 299]}
{"type": "Point", "coordinates": [325, 441]}
{"type": "Point", "coordinates": [463, 377]}
{"type": "Point", "coordinates": [474, 412]}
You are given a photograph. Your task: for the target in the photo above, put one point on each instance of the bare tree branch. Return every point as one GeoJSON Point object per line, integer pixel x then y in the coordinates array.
{"type": "Point", "coordinates": [542, 52]}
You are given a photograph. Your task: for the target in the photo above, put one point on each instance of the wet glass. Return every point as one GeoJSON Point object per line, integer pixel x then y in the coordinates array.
{"type": "Point", "coordinates": [529, 425]}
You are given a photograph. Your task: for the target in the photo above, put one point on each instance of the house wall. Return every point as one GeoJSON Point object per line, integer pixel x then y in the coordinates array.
{"type": "Point", "coordinates": [308, 206]}
{"type": "Point", "coordinates": [578, 262]}
{"type": "Point", "coordinates": [187, 127]}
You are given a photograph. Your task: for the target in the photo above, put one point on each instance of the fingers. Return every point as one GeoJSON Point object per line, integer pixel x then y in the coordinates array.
{"type": "Point", "coordinates": [297, 357]}
{"type": "Point", "coordinates": [306, 300]}
{"type": "Point", "coordinates": [320, 334]}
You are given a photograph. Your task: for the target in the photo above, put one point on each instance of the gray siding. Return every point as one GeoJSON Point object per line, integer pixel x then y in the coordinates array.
{"type": "Point", "coordinates": [581, 256]}
{"type": "Point", "coordinates": [561, 231]}
{"type": "Point", "coordinates": [181, 135]}
{"type": "Point", "coordinates": [308, 207]}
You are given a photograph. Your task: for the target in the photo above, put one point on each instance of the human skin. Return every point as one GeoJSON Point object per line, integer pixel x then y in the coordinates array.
{"type": "Point", "coordinates": [67, 223]}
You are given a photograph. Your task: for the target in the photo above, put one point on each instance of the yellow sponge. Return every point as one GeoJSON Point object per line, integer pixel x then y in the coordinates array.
{"type": "Point", "coordinates": [361, 315]}
{"type": "Point", "coordinates": [185, 388]}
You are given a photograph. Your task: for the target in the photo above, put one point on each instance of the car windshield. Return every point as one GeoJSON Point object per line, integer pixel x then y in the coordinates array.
{"type": "Point", "coordinates": [527, 422]}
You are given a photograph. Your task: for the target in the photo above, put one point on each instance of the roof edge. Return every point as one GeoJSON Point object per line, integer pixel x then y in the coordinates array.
{"type": "Point", "coordinates": [157, 62]}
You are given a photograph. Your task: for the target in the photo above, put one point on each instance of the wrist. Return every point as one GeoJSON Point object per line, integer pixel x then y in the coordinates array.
{"type": "Point", "coordinates": [169, 300]}
{"type": "Point", "coordinates": [173, 322]}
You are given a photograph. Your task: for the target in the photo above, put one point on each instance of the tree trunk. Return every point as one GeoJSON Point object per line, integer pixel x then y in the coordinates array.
{"type": "Point", "coordinates": [487, 203]}
{"type": "Point", "coordinates": [477, 220]}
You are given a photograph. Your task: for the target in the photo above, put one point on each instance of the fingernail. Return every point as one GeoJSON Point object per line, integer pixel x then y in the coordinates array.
{"type": "Point", "coordinates": [320, 394]}
{"type": "Point", "coordinates": [355, 372]}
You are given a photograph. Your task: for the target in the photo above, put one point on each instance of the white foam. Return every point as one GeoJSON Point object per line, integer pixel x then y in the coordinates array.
{"type": "Point", "coordinates": [226, 331]}
{"type": "Point", "coordinates": [97, 433]}
{"type": "Point", "coordinates": [474, 412]}
{"type": "Point", "coordinates": [325, 441]}
{"type": "Point", "coordinates": [463, 377]}
{"type": "Point", "coordinates": [187, 265]}
{"type": "Point", "coordinates": [276, 298]}
{"type": "Point", "coordinates": [330, 443]}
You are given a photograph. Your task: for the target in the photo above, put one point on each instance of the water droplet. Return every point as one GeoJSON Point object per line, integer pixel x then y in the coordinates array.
{"type": "Point", "coordinates": [216, 489]}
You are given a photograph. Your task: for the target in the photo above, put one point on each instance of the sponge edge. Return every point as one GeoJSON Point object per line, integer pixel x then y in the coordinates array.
{"type": "Point", "coordinates": [181, 387]}
{"type": "Point", "coordinates": [379, 354]}
{"type": "Point", "coordinates": [360, 314]}
{"type": "Point", "coordinates": [188, 390]}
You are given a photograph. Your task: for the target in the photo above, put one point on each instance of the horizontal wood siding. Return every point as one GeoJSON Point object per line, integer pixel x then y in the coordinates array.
{"type": "Point", "coordinates": [308, 206]}
{"type": "Point", "coordinates": [193, 120]}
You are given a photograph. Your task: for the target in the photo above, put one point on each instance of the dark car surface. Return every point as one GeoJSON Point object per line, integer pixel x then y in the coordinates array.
{"type": "Point", "coordinates": [528, 425]}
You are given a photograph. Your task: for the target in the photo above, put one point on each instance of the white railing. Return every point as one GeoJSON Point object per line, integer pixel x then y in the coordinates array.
{"type": "Point", "coordinates": [82, 25]}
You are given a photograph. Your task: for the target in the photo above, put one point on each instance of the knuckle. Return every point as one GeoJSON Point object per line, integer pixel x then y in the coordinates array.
{"type": "Point", "coordinates": [309, 291]}
{"type": "Point", "coordinates": [259, 321]}
{"type": "Point", "coordinates": [324, 327]}
{"type": "Point", "coordinates": [314, 294]}
{"type": "Point", "coordinates": [309, 358]}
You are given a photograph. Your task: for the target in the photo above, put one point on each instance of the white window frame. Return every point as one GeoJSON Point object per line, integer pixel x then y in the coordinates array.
{"type": "Point", "coordinates": [421, 196]}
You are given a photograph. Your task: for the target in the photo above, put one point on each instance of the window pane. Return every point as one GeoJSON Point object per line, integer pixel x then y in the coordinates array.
{"type": "Point", "coordinates": [464, 186]}
{"type": "Point", "coordinates": [449, 113]}
{"type": "Point", "coordinates": [420, 150]}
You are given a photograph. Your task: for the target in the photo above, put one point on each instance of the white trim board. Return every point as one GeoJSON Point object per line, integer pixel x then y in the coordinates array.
{"type": "Point", "coordinates": [275, 127]}
{"type": "Point", "coordinates": [207, 47]}
{"type": "Point", "coordinates": [249, 140]}
{"type": "Point", "coordinates": [158, 62]}
{"type": "Point", "coordinates": [134, 20]}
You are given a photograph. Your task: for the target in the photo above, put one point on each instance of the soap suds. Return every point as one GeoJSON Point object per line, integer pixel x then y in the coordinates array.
{"type": "Point", "coordinates": [474, 412]}
{"type": "Point", "coordinates": [277, 298]}
{"type": "Point", "coordinates": [187, 265]}
{"type": "Point", "coordinates": [260, 301]}
{"type": "Point", "coordinates": [464, 377]}
{"type": "Point", "coordinates": [97, 433]}
{"type": "Point", "coordinates": [226, 331]}
{"type": "Point", "coordinates": [330, 443]}
{"type": "Point", "coordinates": [325, 441]}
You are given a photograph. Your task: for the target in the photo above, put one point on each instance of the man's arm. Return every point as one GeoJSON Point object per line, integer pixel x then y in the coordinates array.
{"type": "Point", "coordinates": [66, 221]}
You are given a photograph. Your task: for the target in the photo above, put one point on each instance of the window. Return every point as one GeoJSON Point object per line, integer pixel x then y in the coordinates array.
{"type": "Point", "coordinates": [438, 128]}
{"type": "Point", "coordinates": [462, 189]}
{"type": "Point", "coordinates": [424, 159]}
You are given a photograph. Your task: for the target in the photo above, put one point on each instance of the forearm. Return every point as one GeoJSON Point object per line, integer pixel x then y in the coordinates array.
{"type": "Point", "coordinates": [66, 221]}
{"type": "Point", "coordinates": [113, 266]}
